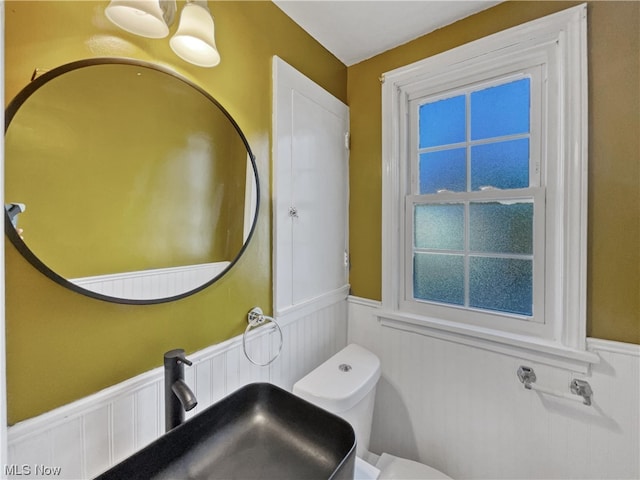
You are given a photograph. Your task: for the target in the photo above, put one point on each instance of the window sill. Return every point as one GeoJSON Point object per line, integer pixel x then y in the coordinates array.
{"type": "Point", "coordinates": [520, 346]}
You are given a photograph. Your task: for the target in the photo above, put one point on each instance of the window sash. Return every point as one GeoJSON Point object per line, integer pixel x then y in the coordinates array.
{"type": "Point", "coordinates": [534, 192]}
{"type": "Point", "coordinates": [460, 313]}
{"type": "Point", "coordinates": [536, 123]}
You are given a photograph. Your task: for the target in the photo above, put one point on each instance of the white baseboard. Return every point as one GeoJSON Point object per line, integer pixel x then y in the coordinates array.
{"type": "Point", "coordinates": [597, 344]}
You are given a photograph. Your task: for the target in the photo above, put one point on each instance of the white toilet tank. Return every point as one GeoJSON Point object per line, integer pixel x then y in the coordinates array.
{"type": "Point", "coordinates": [345, 385]}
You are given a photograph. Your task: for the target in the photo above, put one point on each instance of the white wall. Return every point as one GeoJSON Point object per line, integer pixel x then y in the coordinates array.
{"type": "Point", "coordinates": [463, 410]}
{"type": "Point", "coordinates": [88, 436]}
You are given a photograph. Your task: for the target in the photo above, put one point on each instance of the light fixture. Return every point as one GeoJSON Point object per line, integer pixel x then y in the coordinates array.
{"type": "Point", "coordinates": [194, 40]}
{"type": "Point", "coordinates": [147, 18]}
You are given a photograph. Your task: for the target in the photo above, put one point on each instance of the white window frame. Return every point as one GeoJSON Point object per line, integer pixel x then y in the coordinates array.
{"type": "Point", "coordinates": [558, 45]}
{"type": "Point", "coordinates": [517, 70]}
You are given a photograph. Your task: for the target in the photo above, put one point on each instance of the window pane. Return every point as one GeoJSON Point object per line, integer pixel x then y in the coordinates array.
{"type": "Point", "coordinates": [438, 278]}
{"type": "Point", "coordinates": [500, 110]}
{"type": "Point", "coordinates": [443, 170]}
{"type": "Point", "coordinates": [501, 165]}
{"type": "Point", "coordinates": [500, 228]}
{"type": "Point", "coordinates": [442, 122]}
{"type": "Point", "coordinates": [439, 227]}
{"type": "Point", "coordinates": [501, 284]}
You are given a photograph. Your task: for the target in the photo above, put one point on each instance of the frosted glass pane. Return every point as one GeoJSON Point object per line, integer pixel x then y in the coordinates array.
{"type": "Point", "coordinates": [501, 284]}
{"type": "Point", "coordinates": [499, 228]}
{"type": "Point", "coordinates": [442, 122]}
{"type": "Point", "coordinates": [443, 170]}
{"type": "Point", "coordinates": [501, 165]}
{"type": "Point", "coordinates": [439, 227]}
{"type": "Point", "coordinates": [438, 278]}
{"type": "Point", "coordinates": [500, 110]}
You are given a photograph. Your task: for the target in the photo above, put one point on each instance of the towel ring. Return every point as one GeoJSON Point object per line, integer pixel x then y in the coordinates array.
{"type": "Point", "coordinates": [255, 319]}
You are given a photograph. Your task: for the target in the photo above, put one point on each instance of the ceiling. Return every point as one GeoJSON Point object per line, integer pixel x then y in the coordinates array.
{"type": "Point", "coordinates": [354, 30]}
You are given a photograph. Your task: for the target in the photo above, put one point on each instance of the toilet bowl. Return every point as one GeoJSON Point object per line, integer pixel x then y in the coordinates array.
{"type": "Point", "coordinates": [345, 385]}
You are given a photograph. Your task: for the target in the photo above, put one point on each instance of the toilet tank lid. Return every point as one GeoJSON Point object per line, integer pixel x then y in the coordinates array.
{"type": "Point", "coordinates": [337, 388]}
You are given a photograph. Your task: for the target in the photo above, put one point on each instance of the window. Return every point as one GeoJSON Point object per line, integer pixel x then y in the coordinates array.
{"type": "Point", "coordinates": [473, 195]}
{"type": "Point", "coordinates": [484, 192]}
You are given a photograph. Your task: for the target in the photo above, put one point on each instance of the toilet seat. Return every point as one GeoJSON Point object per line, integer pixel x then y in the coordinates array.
{"type": "Point", "coordinates": [396, 468]}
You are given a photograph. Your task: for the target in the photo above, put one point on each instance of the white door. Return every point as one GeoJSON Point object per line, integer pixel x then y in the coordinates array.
{"type": "Point", "coordinates": [311, 190]}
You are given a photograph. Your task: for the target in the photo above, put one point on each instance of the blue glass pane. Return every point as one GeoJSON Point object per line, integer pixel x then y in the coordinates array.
{"type": "Point", "coordinates": [501, 284]}
{"type": "Point", "coordinates": [443, 170]}
{"type": "Point", "coordinates": [502, 165]}
{"type": "Point", "coordinates": [498, 228]}
{"type": "Point", "coordinates": [442, 122]}
{"type": "Point", "coordinates": [438, 278]}
{"type": "Point", "coordinates": [500, 110]}
{"type": "Point", "coordinates": [439, 227]}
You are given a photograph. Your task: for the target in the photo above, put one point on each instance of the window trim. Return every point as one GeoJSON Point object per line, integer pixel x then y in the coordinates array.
{"type": "Point", "coordinates": [560, 37]}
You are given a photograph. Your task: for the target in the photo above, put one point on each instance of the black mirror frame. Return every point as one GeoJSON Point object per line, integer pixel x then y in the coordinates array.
{"type": "Point", "coordinates": [33, 259]}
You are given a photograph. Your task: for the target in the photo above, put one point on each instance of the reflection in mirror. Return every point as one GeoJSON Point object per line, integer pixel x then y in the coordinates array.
{"type": "Point", "coordinates": [127, 182]}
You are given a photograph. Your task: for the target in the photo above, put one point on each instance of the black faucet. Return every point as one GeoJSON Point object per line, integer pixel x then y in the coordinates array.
{"type": "Point", "coordinates": [178, 397]}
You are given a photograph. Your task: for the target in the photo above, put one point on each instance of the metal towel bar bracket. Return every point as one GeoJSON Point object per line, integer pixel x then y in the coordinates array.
{"type": "Point", "coordinates": [255, 318]}
{"type": "Point", "coordinates": [578, 388]}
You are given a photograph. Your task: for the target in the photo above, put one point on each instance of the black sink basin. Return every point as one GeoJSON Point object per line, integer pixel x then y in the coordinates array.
{"type": "Point", "coordinates": [258, 432]}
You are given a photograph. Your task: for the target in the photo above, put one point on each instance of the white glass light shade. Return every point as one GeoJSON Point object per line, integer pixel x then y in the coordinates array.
{"type": "Point", "coordinates": [147, 18]}
{"type": "Point", "coordinates": [194, 40]}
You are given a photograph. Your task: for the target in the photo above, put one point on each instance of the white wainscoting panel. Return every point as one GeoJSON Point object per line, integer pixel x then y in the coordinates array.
{"type": "Point", "coordinates": [463, 410]}
{"type": "Point", "coordinates": [154, 283]}
{"type": "Point", "coordinates": [86, 437]}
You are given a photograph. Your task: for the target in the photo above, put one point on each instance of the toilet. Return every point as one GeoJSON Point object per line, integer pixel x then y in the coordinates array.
{"type": "Point", "coordinates": [346, 386]}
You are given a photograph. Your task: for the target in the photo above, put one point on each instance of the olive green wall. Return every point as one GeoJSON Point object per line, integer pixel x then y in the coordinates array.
{"type": "Point", "coordinates": [613, 281]}
{"type": "Point", "coordinates": [62, 346]}
{"type": "Point", "coordinates": [162, 186]}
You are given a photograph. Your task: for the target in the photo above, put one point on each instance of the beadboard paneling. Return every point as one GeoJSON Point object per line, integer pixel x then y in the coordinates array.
{"type": "Point", "coordinates": [463, 410]}
{"type": "Point", "coordinates": [154, 283]}
{"type": "Point", "coordinates": [88, 436]}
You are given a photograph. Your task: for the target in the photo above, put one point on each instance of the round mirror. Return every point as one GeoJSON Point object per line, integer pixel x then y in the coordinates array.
{"type": "Point", "coordinates": [126, 182]}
